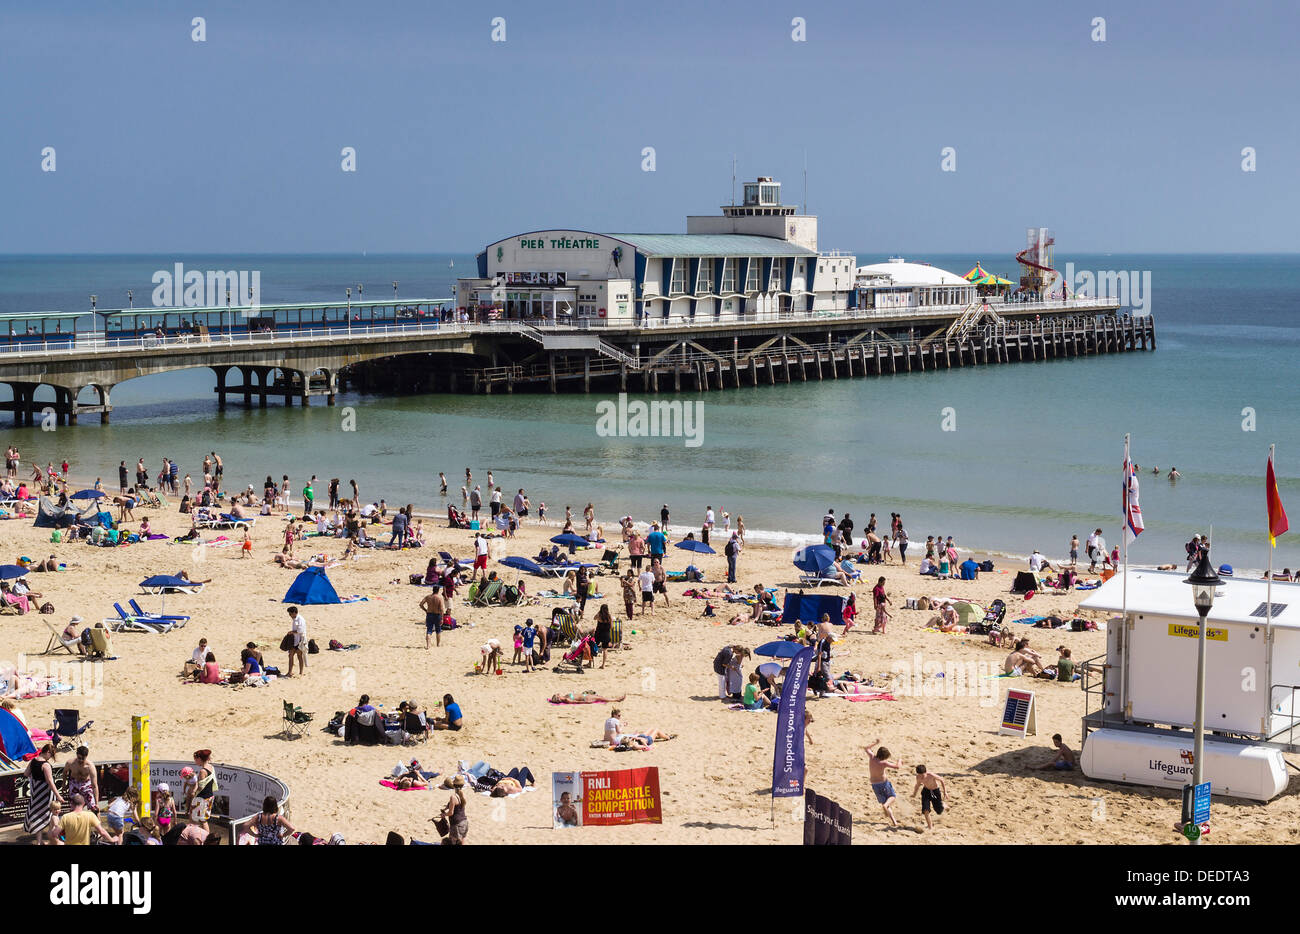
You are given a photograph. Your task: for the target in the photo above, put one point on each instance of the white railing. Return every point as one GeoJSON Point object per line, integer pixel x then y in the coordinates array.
{"type": "Point", "coordinates": [104, 344]}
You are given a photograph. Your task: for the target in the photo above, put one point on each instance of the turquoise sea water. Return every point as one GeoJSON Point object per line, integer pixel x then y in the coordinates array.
{"type": "Point", "coordinates": [1035, 455]}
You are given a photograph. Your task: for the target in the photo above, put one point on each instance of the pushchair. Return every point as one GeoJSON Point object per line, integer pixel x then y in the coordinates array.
{"type": "Point", "coordinates": [993, 621]}
{"type": "Point", "coordinates": [584, 646]}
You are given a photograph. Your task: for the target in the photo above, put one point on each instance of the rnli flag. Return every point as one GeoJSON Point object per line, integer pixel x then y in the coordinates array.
{"type": "Point", "coordinates": [1132, 511]}
{"type": "Point", "coordinates": [1277, 523]}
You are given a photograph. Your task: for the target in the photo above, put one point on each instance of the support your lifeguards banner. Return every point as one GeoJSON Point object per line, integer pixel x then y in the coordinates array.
{"type": "Point", "coordinates": [628, 796]}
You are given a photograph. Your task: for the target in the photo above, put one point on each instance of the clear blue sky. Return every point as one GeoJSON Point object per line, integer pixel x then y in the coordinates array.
{"type": "Point", "coordinates": [168, 145]}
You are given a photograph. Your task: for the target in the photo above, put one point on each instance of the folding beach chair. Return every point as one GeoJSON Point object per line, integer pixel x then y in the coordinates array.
{"type": "Point", "coordinates": [66, 730]}
{"type": "Point", "coordinates": [486, 594]}
{"type": "Point", "coordinates": [101, 645]}
{"type": "Point", "coordinates": [59, 640]}
{"type": "Point", "coordinates": [609, 560]}
{"type": "Point", "coordinates": [415, 731]}
{"type": "Point", "coordinates": [295, 720]}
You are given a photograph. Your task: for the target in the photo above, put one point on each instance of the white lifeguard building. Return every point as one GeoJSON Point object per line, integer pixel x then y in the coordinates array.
{"type": "Point", "coordinates": [1146, 699]}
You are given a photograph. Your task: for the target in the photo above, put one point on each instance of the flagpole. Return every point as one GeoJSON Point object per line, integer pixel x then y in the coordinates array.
{"type": "Point", "coordinates": [1268, 619]}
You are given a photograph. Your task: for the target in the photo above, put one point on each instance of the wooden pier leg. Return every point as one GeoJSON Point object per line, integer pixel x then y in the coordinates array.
{"type": "Point", "coordinates": [654, 380]}
{"type": "Point", "coordinates": [753, 371]}
{"type": "Point", "coordinates": [586, 373]}
{"type": "Point", "coordinates": [550, 365]}
{"type": "Point", "coordinates": [622, 376]}
{"type": "Point", "coordinates": [221, 388]}
{"type": "Point", "coordinates": [677, 378]}
{"type": "Point", "coordinates": [920, 356]}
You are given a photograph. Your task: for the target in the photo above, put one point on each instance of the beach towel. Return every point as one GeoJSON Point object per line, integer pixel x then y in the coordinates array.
{"type": "Point", "coordinates": [866, 697]}
{"type": "Point", "coordinates": [1029, 620]}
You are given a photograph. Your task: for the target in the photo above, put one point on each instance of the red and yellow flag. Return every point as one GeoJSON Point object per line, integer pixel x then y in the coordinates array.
{"type": "Point", "coordinates": [1277, 523]}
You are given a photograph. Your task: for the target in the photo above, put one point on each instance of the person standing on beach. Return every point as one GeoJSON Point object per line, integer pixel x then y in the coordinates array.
{"type": "Point", "coordinates": [656, 542]}
{"type": "Point", "coordinates": [480, 556]}
{"type": "Point", "coordinates": [647, 582]}
{"type": "Point", "coordinates": [663, 516]}
{"type": "Point", "coordinates": [42, 793]}
{"type": "Point", "coordinates": [629, 584]}
{"type": "Point", "coordinates": [435, 610]}
{"type": "Point", "coordinates": [661, 579]}
{"type": "Point", "coordinates": [333, 490]}
{"type": "Point", "coordinates": [1074, 550]}
{"type": "Point", "coordinates": [880, 599]}
{"type": "Point", "coordinates": [442, 484]}
{"type": "Point", "coordinates": [308, 497]}
{"type": "Point", "coordinates": [1092, 550]}
{"type": "Point", "coordinates": [932, 789]}
{"type": "Point", "coordinates": [880, 784]}
{"type": "Point", "coordinates": [900, 540]}
{"type": "Point", "coordinates": [475, 503]}
{"type": "Point", "coordinates": [121, 476]}
{"type": "Point", "coordinates": [495, 501]}
{"type": "Point", "coordinates": [297, 640]}
{"type": "Point", "coordinates": [589, 516]}
{"type": "Point", "coordinates": [732, 551]}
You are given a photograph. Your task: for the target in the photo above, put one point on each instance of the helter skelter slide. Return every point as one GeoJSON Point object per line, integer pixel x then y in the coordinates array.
{"type": "Point", "coordinates": [1039, 278]}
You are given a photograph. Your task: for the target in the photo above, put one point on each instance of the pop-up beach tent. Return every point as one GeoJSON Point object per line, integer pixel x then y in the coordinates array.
{"type": "Point", "coordinates": [810, 607]}
{"type": "Point", "coordinates": [15, 741]}
{"type": "Point", "coordinates": [311, 587]}
{"type": "Point", "coordinates": [50, 515]}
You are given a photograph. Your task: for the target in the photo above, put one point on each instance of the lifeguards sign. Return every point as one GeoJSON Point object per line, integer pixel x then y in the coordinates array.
{"type": "Point", "coordinates": [630, 796]}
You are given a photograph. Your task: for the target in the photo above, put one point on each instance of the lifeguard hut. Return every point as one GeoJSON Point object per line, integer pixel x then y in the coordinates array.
{"type": "Point", "coordinates": [1138, 719]}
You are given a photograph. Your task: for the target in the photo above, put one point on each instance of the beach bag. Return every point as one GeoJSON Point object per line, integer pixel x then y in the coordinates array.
{"type": "Point", "coordinates": [236, 677]}
{"type": "Point", "coordinates": [335, 645]}
{"type": "Point", "coordinates": [56, 536]}
{"type": "Point", "coordinates": [923, 603]}
{"type": "Point", "coordinates": [312, 647]}
{"type": "Point", "coordinates": [417, 579]}
{"type": "Point", "coordinates": [910, 603]}
{"type": "Point", "coordinates": [442, 826]}
{"type": "Point", "coordinates": [986, 566]}
{"type": "Point", "coordinates": [286, 644]}
{"type": "Point", "coordinates": [86, 640]}
{"type": "Point", "coordinates": [47, 609]}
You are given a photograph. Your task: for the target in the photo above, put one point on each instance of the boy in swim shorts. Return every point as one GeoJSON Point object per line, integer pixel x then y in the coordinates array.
{"type": "Point", "coordinates": [932, 788]}
{"type": "Point", "coordinates": [880, 784]}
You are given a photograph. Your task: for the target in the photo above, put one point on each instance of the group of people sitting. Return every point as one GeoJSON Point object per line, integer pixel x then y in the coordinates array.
{"type": "Point", "coordinates": [367, 725]}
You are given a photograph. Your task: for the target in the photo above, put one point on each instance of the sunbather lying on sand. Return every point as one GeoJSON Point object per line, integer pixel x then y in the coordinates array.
{"type": "Point", "coordinates": [587, 697]}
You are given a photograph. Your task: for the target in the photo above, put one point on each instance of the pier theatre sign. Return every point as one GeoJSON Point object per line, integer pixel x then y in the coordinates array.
{"type": "Point", "coordinates": [559, 243]}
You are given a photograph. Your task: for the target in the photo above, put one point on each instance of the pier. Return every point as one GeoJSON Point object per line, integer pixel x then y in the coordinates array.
{"type": "Point", "coordinates": [75, 377]}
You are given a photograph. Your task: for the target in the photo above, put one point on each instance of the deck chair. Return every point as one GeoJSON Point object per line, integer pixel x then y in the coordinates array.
{"type": "Point", "coordinates": [100, 642]}
{"type": "Point", "coordinates": [129, 622]}
{"type": "Point", "coordinates": [486, 594]}
{"type": "Point", "coordinates": [67, 730]}
{"type": "Point", "coordinates": [609, 560]}
{"type": "Point", "coordinates": [145, 614]}
{"type": "Point", "coordinates": [566, 621]}
{"type": "Point", "coordinates": [59, 640]}
{"type": "Point", "coordinates": [295, 720]}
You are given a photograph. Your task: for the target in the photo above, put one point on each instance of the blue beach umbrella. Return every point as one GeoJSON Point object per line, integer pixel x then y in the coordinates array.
{"type": "Point", "coordinates": [780, 649]}
{"type": "Point", "coordinates": [570, 541]}
{"type": "Point", "coordinates": [12, 571]}
{"type": "Point", "coordinates": [814, 559]}
{"type": "Point", "coordinates": [87, 494]}
{"type": "Point", "coordinates": [691, 544]}
{"type": "Point", "coordinates": [164, 581]}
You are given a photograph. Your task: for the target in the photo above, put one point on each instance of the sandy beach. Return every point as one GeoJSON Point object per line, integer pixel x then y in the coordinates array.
{"type": "Point", "coordinates": [715, 775]}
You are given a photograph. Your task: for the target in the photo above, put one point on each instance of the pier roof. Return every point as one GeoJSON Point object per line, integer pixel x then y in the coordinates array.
{"type": "Point", "coordinates": [712, 245]}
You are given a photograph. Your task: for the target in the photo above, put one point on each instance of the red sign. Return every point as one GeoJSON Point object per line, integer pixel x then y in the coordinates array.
{"type": "Point", "coordinates": [630, 796]}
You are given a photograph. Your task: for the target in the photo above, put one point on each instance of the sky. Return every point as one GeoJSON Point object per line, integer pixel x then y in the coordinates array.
{"type": "Point", "coordinates": [163, 144]}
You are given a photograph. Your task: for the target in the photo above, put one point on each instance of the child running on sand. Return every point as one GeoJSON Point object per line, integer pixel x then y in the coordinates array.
{"type": "Point", "coordinates": [932, 789]}
{"type": "Point", "coordinates": [880, 784]}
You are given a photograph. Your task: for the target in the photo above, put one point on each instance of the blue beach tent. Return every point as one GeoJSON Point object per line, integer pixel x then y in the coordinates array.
{"type": "Point", "coordinates": [810, 607]}
{"type": "Point", "coordinates": [311, 587]}
{"type": "Point", "coordinates": [15, 741]}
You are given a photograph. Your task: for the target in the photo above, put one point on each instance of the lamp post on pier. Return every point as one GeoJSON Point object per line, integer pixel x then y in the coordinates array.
{"type": "Point", "coordinates": [1203, 581]}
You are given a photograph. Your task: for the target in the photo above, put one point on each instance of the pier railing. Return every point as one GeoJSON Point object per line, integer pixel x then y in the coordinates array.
{"type": "Point", "coordinates": [72, 345]}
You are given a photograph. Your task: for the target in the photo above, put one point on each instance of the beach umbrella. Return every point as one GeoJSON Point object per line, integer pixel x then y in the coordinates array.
{"type": "Point", "coordinates": [780, 649]}
{"type": "Point", "coordinates": [991, 279]}
{"type": "Point", "coordinates": [570, 541]}
{"type": "Point", "coordinates": [815, 559]}
{"type": "Point", "coordinates": [977, 273]}
{"type": "Point", "coordinates": [12, 571]}
{"type": "Point", "coordinates": [163, 581]}
{"type": "Point", "coordinates": [690, 544]}
{"type": "Point", "coordinates": [87, 494]}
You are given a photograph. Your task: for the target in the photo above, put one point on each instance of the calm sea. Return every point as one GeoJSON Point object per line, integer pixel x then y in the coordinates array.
{"type": "Point", "coordinates": [1035, 454]}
